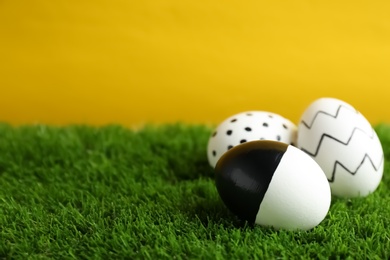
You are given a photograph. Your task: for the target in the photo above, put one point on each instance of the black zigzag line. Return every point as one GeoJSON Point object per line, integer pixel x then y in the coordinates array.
{"type": "Point", "coordinates": [366, 156]}
{"type": "Point", "coordinates": [326, 113]}
{"type": "Point", "coordinates": [337, 140]}
{"type": "Point", "coordinates": [346, 144]}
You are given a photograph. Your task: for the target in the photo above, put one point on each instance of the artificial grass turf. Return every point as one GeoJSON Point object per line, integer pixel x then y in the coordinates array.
{"type": "Point", "coordinates": [110, 192]}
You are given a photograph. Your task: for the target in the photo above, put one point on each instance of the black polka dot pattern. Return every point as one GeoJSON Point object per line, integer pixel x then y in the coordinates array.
{"type": "Point", "coordinates": [245, 127]}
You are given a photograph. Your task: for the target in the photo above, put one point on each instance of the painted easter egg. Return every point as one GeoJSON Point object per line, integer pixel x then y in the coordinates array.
{"type": "Point", "coordinates": [273, 184]}
{"type": "Point", "coordinates": [249, 126]}
{"type": "Point", "coordinates": [342, 141]}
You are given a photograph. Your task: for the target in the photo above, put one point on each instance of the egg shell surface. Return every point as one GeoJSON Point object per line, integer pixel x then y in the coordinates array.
{"type": "Point", "coordinates": [249, 126]}
{"type": "Point", "coordinates": [273, 184]}
{"type": "Point", "coordinates": [342, 141]}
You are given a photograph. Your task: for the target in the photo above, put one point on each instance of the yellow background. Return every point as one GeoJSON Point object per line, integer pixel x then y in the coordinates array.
{"type": "Point", "coordinates": [133, 62]}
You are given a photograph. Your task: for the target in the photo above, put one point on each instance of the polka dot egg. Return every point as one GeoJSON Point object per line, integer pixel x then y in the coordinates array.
{"type": "Point", "coordinates": [249, 126]}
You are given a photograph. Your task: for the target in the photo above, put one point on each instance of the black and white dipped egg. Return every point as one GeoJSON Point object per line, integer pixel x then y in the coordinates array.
{"type": "Point", "coordinates": [249, 126]}
{"type": "Point", "coordinates": [271, 183]}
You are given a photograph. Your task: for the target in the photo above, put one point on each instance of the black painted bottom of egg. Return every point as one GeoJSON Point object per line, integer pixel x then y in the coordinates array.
{"type": "Point", "coordinates": [273, 183]}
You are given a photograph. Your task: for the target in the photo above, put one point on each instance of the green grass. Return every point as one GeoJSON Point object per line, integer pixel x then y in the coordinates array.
{"type": "Point", "coordinates": [109, 192]}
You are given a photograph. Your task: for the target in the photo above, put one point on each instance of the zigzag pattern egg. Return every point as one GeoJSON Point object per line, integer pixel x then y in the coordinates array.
{"type": "Point", "coordinates": [342, 141]}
